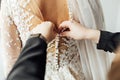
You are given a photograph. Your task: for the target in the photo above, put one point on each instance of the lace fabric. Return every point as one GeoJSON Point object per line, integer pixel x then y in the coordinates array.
{"type": "Point", "coordinates": [69, 64]}
{"type": "Point", "coordinates": [16, 22]}
{"type": "Point", "coordinates": [76, 59]}
{"type": "Point", "coordinates": [21, 19]}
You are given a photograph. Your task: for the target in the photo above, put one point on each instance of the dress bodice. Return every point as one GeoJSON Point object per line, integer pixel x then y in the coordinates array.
{"type": "Point", "coordinates": [68, 61]}
{"type": "Point", "coordinates": [21, 15]}
{"type": "Point", "coordinates": [75, 57]}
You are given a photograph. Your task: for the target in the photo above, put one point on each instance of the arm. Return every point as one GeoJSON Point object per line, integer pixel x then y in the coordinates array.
{"type": "Point", "coordinates": [31, 62]}
{"type": "Point", "coordinates": [106, 41]}
{"type": "Point", "coordinates": [15, 27]}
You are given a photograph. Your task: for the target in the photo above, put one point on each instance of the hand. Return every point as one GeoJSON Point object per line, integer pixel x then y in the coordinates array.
{"type": "Point", "coordinates": [46, 29]}
{"type": "Point", "coordinates": [77, 31]}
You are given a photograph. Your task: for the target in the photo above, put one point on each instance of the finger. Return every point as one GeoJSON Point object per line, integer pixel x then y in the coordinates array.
{"type": "Point", "coordinates": [65, 24]}
{"type": "Point", "coordinates": [67, 33]}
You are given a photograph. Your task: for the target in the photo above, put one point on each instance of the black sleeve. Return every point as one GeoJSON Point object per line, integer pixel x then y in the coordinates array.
{"type": "Point", "coordinates": [31, 62]}
{"type": "Point", "coordinates": [109, 41]}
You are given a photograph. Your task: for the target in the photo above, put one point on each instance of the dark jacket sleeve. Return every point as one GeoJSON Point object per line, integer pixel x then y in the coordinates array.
{"type": "Point", "coordinates": [31, 62]}
{"type": "Point", "coordinates": [109, 41]}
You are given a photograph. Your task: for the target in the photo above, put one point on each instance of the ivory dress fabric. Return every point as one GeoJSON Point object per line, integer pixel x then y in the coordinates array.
{"type": "Point", "coordinates": [78, 60]}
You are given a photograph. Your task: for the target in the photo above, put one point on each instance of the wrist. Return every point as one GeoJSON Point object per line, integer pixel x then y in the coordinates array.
{"type": "Point", "coordinates": [46, 29]}
{"type": "Point", "coordinates": [37, 31]}
{"type": "Point", "coordinates": [39, 35]}
{"type": "Point", "coordinates": [92, 35]}
{"type": "Point", "coordinates": [87, 35]}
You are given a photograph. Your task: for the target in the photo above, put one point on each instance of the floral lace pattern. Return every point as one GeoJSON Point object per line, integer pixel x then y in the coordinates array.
{"type": "Point", "coordinates": [21, 18]}
{"type": "Point", "coordinates": [69, 62]}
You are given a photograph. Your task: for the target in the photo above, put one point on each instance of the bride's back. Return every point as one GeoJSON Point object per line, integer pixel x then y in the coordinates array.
{"type": "Point", "coordinates": [54, 10]}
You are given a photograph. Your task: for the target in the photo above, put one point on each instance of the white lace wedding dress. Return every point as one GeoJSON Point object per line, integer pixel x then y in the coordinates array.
{"type": "Point", "coordinates": [80, 60]}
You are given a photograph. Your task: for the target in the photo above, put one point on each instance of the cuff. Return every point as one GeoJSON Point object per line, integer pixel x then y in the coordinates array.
{"type": "Point", "coordinates": [106, 43]}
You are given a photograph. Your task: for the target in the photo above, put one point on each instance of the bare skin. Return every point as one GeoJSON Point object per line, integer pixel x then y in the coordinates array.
{"type": "Point", "coordinates": [79, 32]}
{"type": "Point", "coordinates": [55, 11]}
{"type": "Point", "coordinates": [46, 29]}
